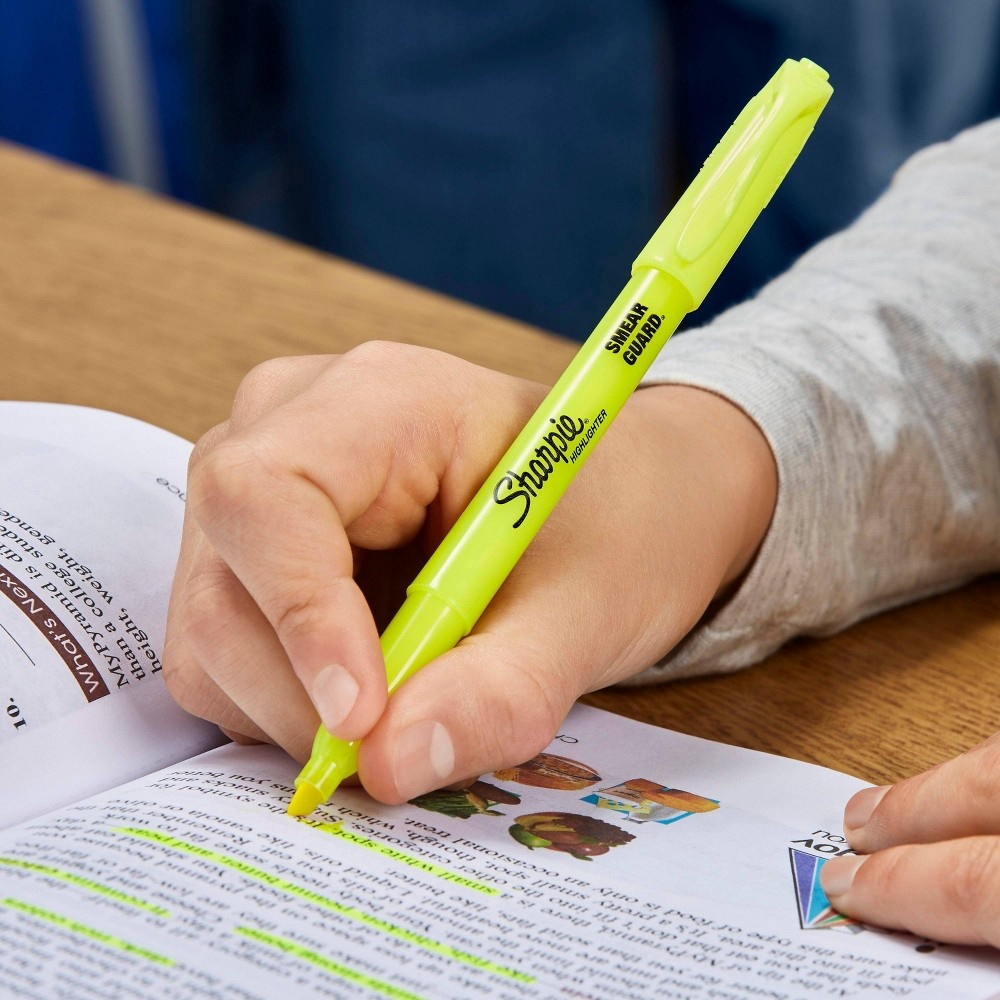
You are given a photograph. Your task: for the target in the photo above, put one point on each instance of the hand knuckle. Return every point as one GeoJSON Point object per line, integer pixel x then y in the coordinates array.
{"type": "Point", "coordinates": [381, 357]}
{"type": "Point", "coordinates": [202, 606]}
{"type": "Point", "coordinates": [263, 380]}
{"type": "Point", "coordinates": [220, 480]}
{"type": "Point", "coordinates": [186, 691]}
{"type": "Point", "coordinates": [377, 353]}
{"type": "Point", "coordinates": [206, 443]}
{"type": "Point", "coordinates": [194, 692]}
{"type": "Point", "coordinates": [300, 613]}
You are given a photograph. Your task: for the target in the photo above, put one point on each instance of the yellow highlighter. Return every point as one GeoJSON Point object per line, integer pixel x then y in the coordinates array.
{"type": "Point", "coordinates": [670, 277]}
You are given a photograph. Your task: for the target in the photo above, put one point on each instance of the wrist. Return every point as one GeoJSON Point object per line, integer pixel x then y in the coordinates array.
{"type": "Point", "coordinates": [733, 474]}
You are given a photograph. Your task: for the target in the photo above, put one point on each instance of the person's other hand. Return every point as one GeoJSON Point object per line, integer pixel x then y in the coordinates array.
{"type": "Point", "coordinates": [310, 510]}
{"type": "Point", "coordinates": [929, 852]}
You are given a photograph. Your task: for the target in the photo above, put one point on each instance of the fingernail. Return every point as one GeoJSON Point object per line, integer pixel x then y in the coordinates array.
{"type": "Point", "coordinates": [424, 759]}
{"type": "Point", "coordinates": [334, 693]}
{"type": "Point", "coordinates": [860, 808]}
{"type": "Point", "coordinates": [837, 874]}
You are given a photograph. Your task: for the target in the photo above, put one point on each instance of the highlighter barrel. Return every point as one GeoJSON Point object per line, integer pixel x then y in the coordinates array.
{"type": "Point", "coordinates": [492, 533]}
{"type": "Point", "coordinates": [670, 277]}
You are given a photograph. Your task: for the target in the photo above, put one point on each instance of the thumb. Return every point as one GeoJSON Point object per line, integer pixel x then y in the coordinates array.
{"type": "Point", "coordinates": [504, 703]}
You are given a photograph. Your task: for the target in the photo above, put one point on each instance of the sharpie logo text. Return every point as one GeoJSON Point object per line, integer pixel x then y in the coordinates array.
{"type": "Point", "coordinates": [629, 343]}
{"type": "Point", "coordinates": [557, 445]}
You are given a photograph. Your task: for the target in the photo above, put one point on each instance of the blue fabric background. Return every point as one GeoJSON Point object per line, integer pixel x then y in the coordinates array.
{"type": "Point", "coordinates": [516, 155]}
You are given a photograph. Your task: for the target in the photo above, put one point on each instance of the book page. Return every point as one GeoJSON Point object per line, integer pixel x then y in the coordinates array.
{"type": "Point", "coordinates": [624, 862]}
{"type": "Point", "coordinates": [91, 505]}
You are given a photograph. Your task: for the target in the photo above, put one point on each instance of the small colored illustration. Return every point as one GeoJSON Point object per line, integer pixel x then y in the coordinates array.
{"type": "Point", "coordinates": [474, 800]}
{"type": "Point", "coordinates": [815, 911]}
{"type": "Point", "coordinates": [548, 770]}
{"type": "Point", "coordinates": [583, 837]}
{"type": "Point", "coordinates": [645, 801]}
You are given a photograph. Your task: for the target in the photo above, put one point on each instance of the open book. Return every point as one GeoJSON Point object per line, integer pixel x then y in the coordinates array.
{"type": "Point", "coordinates": [139, 857]}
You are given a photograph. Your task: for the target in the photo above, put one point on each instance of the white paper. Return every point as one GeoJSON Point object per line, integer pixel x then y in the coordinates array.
{"type": "Point", "coordinates": [194, 883]}
{"type": "Point", "coordinates": [91, 505]}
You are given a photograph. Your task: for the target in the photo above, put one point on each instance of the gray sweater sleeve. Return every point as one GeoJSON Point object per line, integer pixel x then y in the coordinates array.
{"type": "Point", "coordinates": [873, 368]}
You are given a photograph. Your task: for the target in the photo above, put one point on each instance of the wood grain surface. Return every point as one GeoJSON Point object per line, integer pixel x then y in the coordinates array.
{"type": "Point", "coordinates": [112, 298]}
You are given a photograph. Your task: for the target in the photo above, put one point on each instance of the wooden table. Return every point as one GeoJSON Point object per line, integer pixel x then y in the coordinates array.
{"type": "Point", "coordinates": [111, 298]}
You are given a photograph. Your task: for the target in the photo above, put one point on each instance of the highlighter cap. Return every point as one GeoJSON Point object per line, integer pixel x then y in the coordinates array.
{"type": "Point", "coordinates": [708, 223]}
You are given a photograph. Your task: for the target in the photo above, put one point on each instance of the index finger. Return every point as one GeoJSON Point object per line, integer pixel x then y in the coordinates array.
{"type": "Point", "coordinates": [960, 798]}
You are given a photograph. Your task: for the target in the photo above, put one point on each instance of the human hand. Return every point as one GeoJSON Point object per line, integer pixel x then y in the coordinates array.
{"type": "Point", "coordinates": [929, 846]}
{"type": "Point", "coordinates": [310, 510]}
